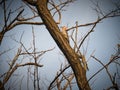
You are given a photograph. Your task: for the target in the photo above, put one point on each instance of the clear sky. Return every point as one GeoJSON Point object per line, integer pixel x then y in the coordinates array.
{"type": "Point", "coordinates": [103, 40]}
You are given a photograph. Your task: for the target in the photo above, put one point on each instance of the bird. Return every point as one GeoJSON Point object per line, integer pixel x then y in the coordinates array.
{"type": "Point", "coordinates": [65, 33]}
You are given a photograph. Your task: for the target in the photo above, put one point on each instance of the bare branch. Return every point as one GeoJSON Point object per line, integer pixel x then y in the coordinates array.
{"type": "Point", "coordinates": [86, 37]}
{"type": "Point", "coordinates": [4, 52]}
{"type": "Point", "coordinates": [112, 59]}
{"type": "Point", "coordinates": [57, 11]}
{"type": "Point", "coordinates": [50, 86]}
{"type": "Point", "coordinates": [29, 63]}
{"type": "Point", "coordinates": [12, 67]}
{"type": "Point", "coordinates": [114, 13]}
{"type": "Point", "coordinates": [69, 82]}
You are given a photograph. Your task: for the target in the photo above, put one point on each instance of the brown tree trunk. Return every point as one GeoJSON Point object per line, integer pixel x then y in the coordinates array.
{"type": "Point", "coordinates": [72, 57]}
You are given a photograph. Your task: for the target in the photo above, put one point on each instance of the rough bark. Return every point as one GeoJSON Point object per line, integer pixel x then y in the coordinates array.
{"type": "Point", "coordinates": [72, 57]}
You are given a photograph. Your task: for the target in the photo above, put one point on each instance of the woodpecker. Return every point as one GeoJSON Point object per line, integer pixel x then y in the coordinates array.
{"type": "Point", "coordinates": [64, 32]}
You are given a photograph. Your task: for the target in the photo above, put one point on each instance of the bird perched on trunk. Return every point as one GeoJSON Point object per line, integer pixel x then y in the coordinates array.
{"type": "Point", "coordinates": [65, 33]}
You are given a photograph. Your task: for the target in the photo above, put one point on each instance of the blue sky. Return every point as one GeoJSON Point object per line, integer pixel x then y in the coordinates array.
{"type": "Point", "coordinates": [103, 40]}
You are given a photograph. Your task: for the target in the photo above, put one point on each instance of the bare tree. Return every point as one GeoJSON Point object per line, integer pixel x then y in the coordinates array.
{"type": "Point", "coordinates": [14, 64]}
{"type": "Point", "coordinates": [75, 57]}
{"type": "Point", "coordinates": [70, 54]}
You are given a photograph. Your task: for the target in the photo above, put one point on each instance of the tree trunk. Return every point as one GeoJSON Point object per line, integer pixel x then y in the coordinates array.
{"type": "Point", "coordinates": [72, 57]}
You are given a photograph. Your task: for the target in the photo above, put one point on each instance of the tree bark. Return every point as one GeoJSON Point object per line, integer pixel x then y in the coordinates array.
{"type": "Point", "coordinates": [72, 57]}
